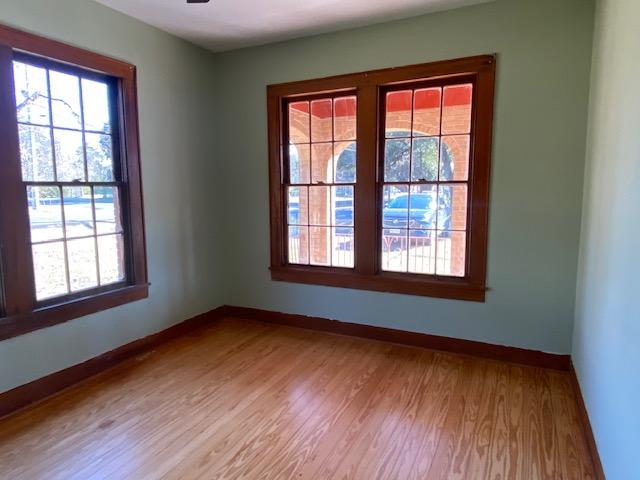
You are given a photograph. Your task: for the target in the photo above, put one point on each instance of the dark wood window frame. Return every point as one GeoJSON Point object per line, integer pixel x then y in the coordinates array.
{"type": "Point", "coordinates": [20, 312]}
{"type": "Point", "coordinates": [368, 86]}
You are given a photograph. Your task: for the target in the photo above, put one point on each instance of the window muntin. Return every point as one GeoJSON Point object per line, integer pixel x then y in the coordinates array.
{"type": "Point", "coordinates": [425, 165]}
{"type": "Point", "coordinates": [320, 178]}
{"type": "Point", "coordinates": [70, 170]}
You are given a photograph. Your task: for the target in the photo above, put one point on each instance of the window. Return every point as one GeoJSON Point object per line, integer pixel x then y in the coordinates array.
{"type": "Point", "coordinates": [71, 222]}
{"type": "Point", "coordinates": [379, 180]}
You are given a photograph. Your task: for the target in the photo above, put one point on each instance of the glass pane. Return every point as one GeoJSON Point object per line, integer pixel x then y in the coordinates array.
{"type": "Point", "coordinates": [344, 122]}
{"type": "Point", "coordinates": [319, 209]}
{"type": "Point", "coordinates": [108, 213]}
{"type": "Point", "coordinates": [35, 153]}
{"type": "Point", "coordinates": [342, 242]}
{"type": "Point", "coordinates": [45, 213]}
{"type": "Point", "coordinates": [398, 114]}
{"type": "Point", "coordinates": [424, 163]}
{"type": "Point", "coordinates": [451, 254]}
{"type": "Point", "coordinates": [297, 206]}
{"type": "Point", "coordinates": [342, 199]}
{"type": "Point", "coordinates": [111, 255]}
{"type": "Point", "coordinates": [69, 155]}
{"type": "Point", "coordinates": [320, 245]}
{"type": "Point", "coordinates": [422, 203]}
{"type": "Point", "coordinates": [395, 206]}
{"type": "Point", "coordinates": [344, 154]}
{"type": "Point", "coordinates": [454, 158]}
{"type": "Point", "coordinates": [452, 207]}
{"type": "Point", "coordinates": [299, 168]}
{"type": "Point", "coordinates": [394, 250]}
{"type": "Point", "coordinates": [95, 99]}
{"type": "Point", "coordinates": [422, 251]}
{"type": "Point", "coordinates": [426, 111]}
{"type": "Point", "coordinates": [456, 115]}
{"type": "Point", "coordinates": [83, 265]}
{"type": "Point", "coordinates": [78, 212]}
{"type": "Point", "coordinates": [65, 100]}
{"type": "Point", "coordinates": [49, 270]}
{"type": "Point", "coordinates": [299, 122]}
{"type": "Point", "coordinates": [322, 162]}
{"type": "Point", "coordinates": [299, 245]}
{"type": "Point", "coordinates": [32, 99]}
{"type": "Point", "coordinates": [396, 160]}
{"type": "Point", "coordinates": [99, 157]}
{"type": "Point", "coordinates": [321, 120]}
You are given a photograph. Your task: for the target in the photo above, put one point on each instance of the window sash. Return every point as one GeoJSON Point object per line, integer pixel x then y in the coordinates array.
{"type": "Point", "coordinates": [19, 311]}
{"type": "Point", "coordinates": [367, 273]}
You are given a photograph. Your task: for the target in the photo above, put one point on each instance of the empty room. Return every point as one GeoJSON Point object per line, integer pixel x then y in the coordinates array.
{"type": "Point", "coordinates": [328, 239]}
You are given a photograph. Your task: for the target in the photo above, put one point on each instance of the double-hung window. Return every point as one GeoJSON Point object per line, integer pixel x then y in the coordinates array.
{"type": "Point", "coordinates": [71, 222]}
{"type": "Point", "coordinates": [379, 180]}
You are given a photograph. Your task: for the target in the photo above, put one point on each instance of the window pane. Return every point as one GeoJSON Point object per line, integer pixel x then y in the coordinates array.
{"type": "Point", "coordinates": [319, 210]}
{"type": "Point", "coordinates": [69, 155]}
{"type": "Point", "coordinates": [395, 207]}
{"type": "Point", "coordinates": [424, 162]}
{"type": "Point", "coordinates": [422, 251]}
{"type": "Point", "coordinates": [426, 112]}
{"type": "Point", "coordinates": [456, 115]}
{"type": "Point", "coordinates": [451, 254]}
{"type": "Point", "coordinates": [297, 205]}
{"type": "Point", "coordinates": [35, 153]}
{"type": "Point", "coordinates": [49, 270]}
{"type": "Point", "coordinates": [452, 207]}
{"type": "Point", "coordinates": [299, 122]}
{"type": "Point", "coordinates": [394, 250]}
{"type": "Point", "coordinates": [95, 98]}
{"type": "Point", "coordinates": [299, 167]}
{"type": "Point", "coordinates": [321, 162]}
{"type": "Point", "coordinates": [83, 266]}
{"type": "Point", "coordinates": [45, 213]}
{"type": "Point", "coordinates": [398, 114]}
{"type": "Point", "coordinates": [99, 157]}
{"type": "Point", "coordinates": [111, 255]}
{"type": "Point", "coordinates": [344, 154]}
{"type": "Point", "coordinates": [65, 100]}
{"type": "Point", "coordinates": [454, 158]}
{"type": "Point", "coordinates": [321, 120]}
{"type": "Point", "coordinates": [299, 245]}
{"type": "Point", "coordinates": [343, 247]}
{"type": "Point", "coordinates": [396, 160]}
{"type": "Point", "coordinates": [422, 206]}
{"type": "Point", "coordinates": [108, 212]}
{"type": "Point", "coordinates": [344, 122]}
{"type": "Point", "coordinates": [78, 211]}
{"type": "Point", "coordinates": [320, 245]}
{"type": "Point", "coordinates": [32, 99]}
{"type": "Point", "coordinates": [342, 199]}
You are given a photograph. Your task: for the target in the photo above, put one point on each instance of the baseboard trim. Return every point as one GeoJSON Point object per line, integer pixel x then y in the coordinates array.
{"type": "Point", "coordinates": [434, 342]}
{"type": "Point", "coordinates": [586, 425]}
{"type": "Point", "coordinates": [37, 390]}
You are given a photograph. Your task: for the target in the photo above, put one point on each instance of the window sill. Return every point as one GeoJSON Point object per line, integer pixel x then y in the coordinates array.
{"type": "Point", "coordinates": [450, 288]}
{"type": "Point", "coordinates": [20, 324]}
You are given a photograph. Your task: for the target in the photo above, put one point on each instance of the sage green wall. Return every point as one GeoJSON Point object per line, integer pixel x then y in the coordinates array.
{"type": "Point", "coordinates": [544, 52]}
{"type": "Point", "coordinates": [607, 328]}
{"type": "Point", "coordinates": [176, 106]}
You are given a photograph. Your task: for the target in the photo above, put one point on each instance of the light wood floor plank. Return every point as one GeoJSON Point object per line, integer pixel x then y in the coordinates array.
{"type": "Point", "coordinates": [246, 400]}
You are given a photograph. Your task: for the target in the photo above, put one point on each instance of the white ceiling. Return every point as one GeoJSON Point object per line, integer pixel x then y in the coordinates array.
{"type": "Point", "coordinates": [228, 24]}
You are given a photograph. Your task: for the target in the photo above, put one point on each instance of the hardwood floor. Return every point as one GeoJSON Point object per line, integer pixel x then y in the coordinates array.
{"type": "Point", "coordinates": [246, 400]}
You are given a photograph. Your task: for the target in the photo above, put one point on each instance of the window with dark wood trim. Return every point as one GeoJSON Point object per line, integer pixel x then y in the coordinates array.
{"type": "Point", "coordinates": [380, 180]}
{"type": "Point", "coordinates": [71, 223]}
